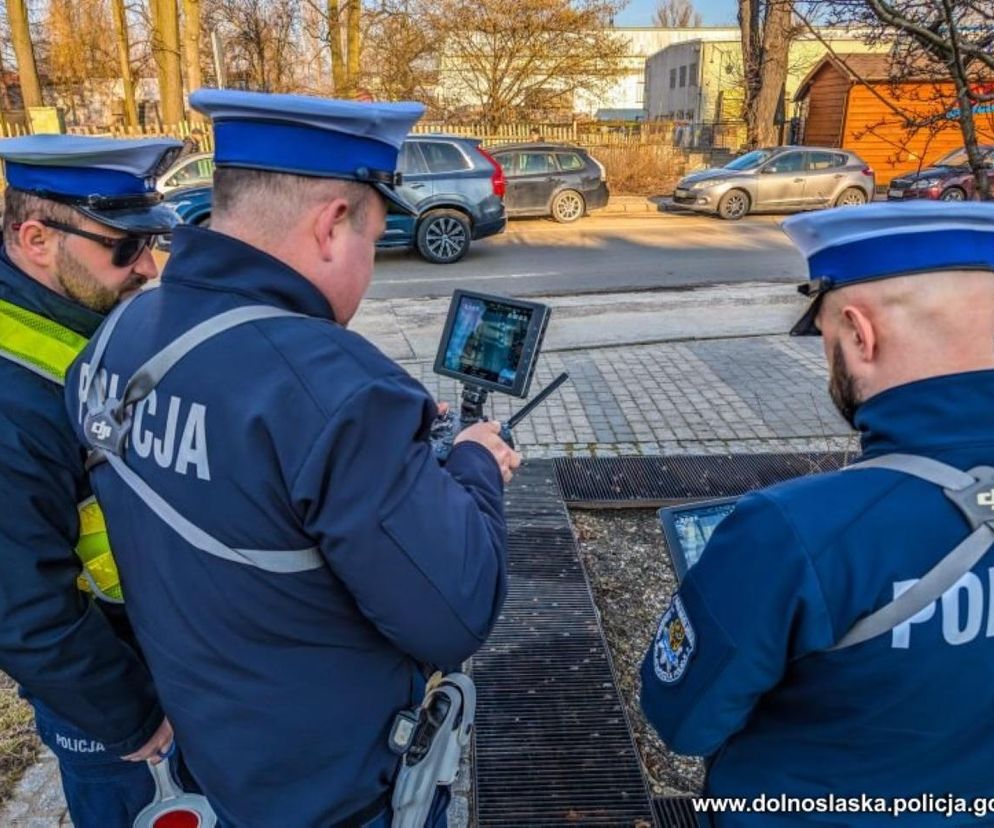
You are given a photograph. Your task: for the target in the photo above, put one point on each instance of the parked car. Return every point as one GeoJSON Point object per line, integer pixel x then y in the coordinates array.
{"type": "Point", "coordinates": [556, 180]}
{"type": "Point", "coordinates": [194, 170]}
{"type": "Point", "coordinates": [457, 187]}
{"type": "Point", "coordinates": [778, 179]}
{"type": "Point", "coordinates": [948, 179]}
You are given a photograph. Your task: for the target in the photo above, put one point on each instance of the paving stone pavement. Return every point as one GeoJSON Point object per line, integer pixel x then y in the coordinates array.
{"type": "Point", "coordinates": [717, 396]}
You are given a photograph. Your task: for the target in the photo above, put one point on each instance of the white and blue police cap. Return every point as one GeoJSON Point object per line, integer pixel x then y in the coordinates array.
{"type": "Point", "coordinates": [108, 179]}
{"type": "Point", "coordinates": [315, 137]}
{"type": "Point", "coordinates": [848, 245]}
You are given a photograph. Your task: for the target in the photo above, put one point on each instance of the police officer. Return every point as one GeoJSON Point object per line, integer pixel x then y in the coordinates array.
{"type": "Point", "coordinates": [837, 634]}
{"type": "Point", "coordinates": [294, 555]}
{"type": "Point", "coordinates": [79, 214]}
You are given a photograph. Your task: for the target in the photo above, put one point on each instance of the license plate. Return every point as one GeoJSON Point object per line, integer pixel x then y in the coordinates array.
{"type": "Point", "coordinates": [682, 193]}
{"type": "Point", "coordinates": [895, 193]}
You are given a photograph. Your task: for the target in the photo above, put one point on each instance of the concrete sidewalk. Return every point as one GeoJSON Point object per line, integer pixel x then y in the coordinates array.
{"type": "Point", "coordinates": [679, 372]}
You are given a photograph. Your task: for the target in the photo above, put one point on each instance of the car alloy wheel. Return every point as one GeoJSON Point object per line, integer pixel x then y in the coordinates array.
{"type": "Point", "coordinates": [733, 205]}
{"type": "Point", "coordinates": [567, 206]}
{"type": "Point", "coordinates": [443, 236]}
{"type": "Point", "coordinates": [851, 197]}
{"type": "Point", "coordinates": [953, 194]}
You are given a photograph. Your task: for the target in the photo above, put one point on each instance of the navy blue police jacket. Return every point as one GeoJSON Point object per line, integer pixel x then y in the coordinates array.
{"type": "Point", "coordinates": [65, 649]}
{"type": "Point", "coordinates": [747, 679]}
{"type": "Point", "coordinates": [288, 434]}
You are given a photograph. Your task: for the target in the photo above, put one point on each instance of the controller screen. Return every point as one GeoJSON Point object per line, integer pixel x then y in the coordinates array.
{"type": "Point", "coordinates": [694, 528]}
{"type": "Point", "coordinates": [487, 340]}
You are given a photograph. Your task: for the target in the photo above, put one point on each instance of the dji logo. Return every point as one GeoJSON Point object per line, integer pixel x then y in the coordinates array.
{"type": "Point", "coordinates": [100, 430]}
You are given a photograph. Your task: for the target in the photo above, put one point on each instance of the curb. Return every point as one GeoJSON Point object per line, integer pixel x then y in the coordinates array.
{"type": "Point", "coordinates": [631, 204]}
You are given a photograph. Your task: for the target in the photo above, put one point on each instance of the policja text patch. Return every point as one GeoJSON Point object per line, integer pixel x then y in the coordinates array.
{"type": "Point", "coordinates": [674, 643]}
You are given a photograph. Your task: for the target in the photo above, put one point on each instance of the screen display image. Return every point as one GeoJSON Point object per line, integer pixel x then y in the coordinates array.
{"type": "Point", "coordinates": [687, 530]}
{"type": "Point", "coordinates": [487, 340]}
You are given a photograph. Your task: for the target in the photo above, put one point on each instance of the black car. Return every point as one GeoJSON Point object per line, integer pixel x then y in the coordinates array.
{"type": "Point", "coordinates": [555, 180]}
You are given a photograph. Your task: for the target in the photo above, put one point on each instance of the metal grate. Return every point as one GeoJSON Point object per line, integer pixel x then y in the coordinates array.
{"type": "Point", "coordinates": [655, 481]}
{"type": "Point", "coordinates": [553, 746]}
{"type": "Point", "coordinates": [674, 812]}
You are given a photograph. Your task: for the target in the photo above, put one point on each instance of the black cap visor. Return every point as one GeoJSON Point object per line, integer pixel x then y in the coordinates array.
{"type": "Point", "coordinates": [148, 220]}
{"type": "Point", "coordinates": [805, 326]}
{"type": "Point", "coordinates": [394, 198]}
{"type": "Point", "coordinates": [815, 290]}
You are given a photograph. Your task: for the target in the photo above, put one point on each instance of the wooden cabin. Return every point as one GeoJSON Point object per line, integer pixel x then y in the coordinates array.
{"type": "Point", "coordinates": [850, 101]}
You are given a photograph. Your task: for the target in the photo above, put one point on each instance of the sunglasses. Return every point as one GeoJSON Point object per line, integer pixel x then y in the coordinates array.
{"type": "Point", "coordinates": [124, 250]}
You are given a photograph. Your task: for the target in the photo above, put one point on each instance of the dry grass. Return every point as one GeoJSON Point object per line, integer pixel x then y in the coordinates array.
{"type": "Point", "coordinates": [18, 741]}
{"type": "Point", "coordinates": [641, 169]}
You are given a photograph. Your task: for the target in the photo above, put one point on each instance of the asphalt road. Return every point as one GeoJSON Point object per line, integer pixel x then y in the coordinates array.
{"type": "Point", "coordinates": [606, 252]}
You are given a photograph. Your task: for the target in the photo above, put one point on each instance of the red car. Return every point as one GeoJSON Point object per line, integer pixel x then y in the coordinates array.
{"type": "Point", "coordinates": [948, 179]}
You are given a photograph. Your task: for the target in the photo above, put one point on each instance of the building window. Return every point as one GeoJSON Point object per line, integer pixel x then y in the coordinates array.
{"type": "Point", "coordinates": [693, 74]}
{"type": "Point", "coordinates": [683, 76]}
{"type": "Point", "coordinates": [672, 78]}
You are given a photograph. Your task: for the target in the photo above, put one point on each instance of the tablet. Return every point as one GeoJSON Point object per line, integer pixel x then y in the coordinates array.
{"type": "Point", "coordinates": [687, 529]}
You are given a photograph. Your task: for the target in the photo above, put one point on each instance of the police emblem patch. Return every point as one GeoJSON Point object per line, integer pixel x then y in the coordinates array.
{"type": "Point", "coordinates": [674, 643]}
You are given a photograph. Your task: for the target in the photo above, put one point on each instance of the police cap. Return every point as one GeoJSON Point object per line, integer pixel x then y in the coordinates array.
{"type": "Point", "coordinates": [108, 179]}
{"type": "Point", "coordinates": [848, 245]}
{"type": "Point", "coordinates": [303, 135]}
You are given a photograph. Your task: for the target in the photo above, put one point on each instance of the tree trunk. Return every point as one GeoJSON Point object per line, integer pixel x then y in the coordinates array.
{"type": "Point", "coordinates": [167, 58]}
{"type": "Point", "coordinates": [355, 12]}
{"type": "Point", "coordinates": [969, 129]}
{"type": "Point", "coordinates": [124, 57]}
{"type": "Point", "coordinates": [27, 69]}
{"type": "Point", "coordinates": [335, 42]}
{"type": "Point", "coordinates": [191, 42]}
{"type": "Point", "coordinates": [765, 50]}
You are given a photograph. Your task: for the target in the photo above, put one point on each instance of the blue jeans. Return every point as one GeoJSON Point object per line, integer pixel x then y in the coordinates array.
{"type": "Point", "coordinates": [102, 790]}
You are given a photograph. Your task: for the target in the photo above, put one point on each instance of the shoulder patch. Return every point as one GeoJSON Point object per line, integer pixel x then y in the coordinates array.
{"type": "Point", "coordinates": [675, 643]}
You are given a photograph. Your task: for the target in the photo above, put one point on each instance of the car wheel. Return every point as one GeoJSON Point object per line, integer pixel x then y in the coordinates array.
{"type": "Point", "coordinates": [953, 194]}
{"type": "Point", "coordinates": [851, 197]}
{"type": "Point", "coordinates": [734, 205]}
{"type": "Point", "coordinates": [443, 236]}
{"type": "Point", "coordinates": [568, 206]}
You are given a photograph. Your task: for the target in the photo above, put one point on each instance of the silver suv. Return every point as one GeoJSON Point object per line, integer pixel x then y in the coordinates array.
{"type": "Point", "coordinates": [779, 179]}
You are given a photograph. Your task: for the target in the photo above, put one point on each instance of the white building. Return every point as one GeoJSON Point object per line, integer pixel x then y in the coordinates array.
{"type": "Point", "coordinates": [625, 98]}
{"type": "Point", "coordinates": [701, 81]}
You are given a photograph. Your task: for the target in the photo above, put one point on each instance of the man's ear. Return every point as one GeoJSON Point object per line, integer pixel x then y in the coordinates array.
{"type": "Point", "coordinates": [857, 333]}
{"type": "Point", "coordinates": [328, 224]}
{"type": "Point", "coordinates": [37, 243]}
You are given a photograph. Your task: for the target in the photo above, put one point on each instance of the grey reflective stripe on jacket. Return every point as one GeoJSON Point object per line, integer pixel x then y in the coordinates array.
{"type": "Point", "coordinates": [966, 490]}
{"type": "Point", "coordinates": [141, 384]}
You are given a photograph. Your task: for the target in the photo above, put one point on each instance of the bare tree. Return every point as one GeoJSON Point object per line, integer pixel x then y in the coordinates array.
{"type": "Point", "coordinates": [165, 46]}
{"type": "Point", "coordinates": [262, 40]}
{"type": "Point", "coordinates": [768, 27]}
{"type": "Point", "coordinates": [401, 51]}
{"type": "Point", "coordinates": [27, 68]}
{"type": "Point", "coordinates": [342, 31]}
{"type": "Point", "coordinates": [947, 42]}
{"type": "Point", "coordinates": [76, 52]}
{"type": "Point", "coordinates": [676, 14]}
{"type": "Point", "coordinates": [124, 62]}
{"type": "Point", "coordinates": [520, 58]}
{"type": "Point", "coordinates": [192, 32]}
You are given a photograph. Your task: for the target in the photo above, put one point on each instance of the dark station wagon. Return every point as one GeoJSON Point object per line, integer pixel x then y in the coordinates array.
{"type": "Point", "coordinates": [556, 180]}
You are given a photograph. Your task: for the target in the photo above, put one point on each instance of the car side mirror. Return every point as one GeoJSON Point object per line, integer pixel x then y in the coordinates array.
{"type": "Point", "coordinates": [768, 170]}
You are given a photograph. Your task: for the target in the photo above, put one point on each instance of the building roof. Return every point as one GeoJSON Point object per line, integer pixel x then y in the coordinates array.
{"type": "Point", "coordinates": [862, 67]}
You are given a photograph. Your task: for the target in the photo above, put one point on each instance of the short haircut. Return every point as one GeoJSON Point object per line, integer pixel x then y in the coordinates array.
{"type": "Point", "coordinates": [271, 200]}
{"type": "Point", "coordinates": [20, 206]}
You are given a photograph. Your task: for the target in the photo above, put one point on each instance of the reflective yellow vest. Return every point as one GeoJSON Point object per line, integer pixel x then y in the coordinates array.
{"type": "Point", "coordinates": [48, 349]}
